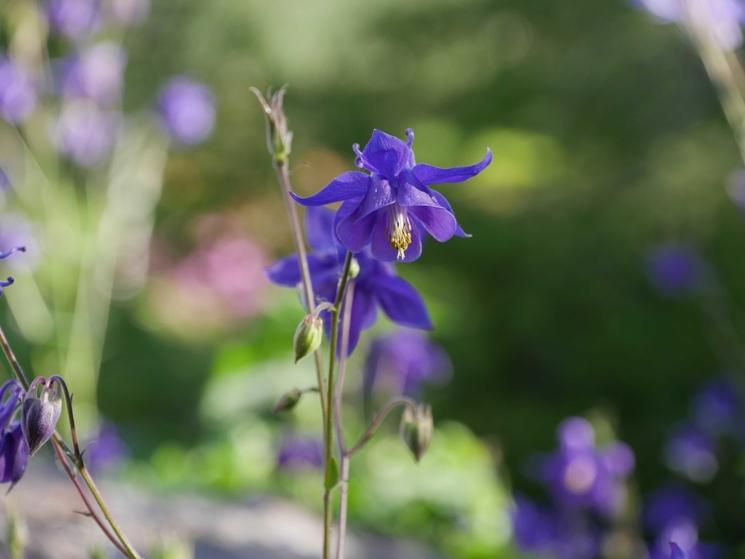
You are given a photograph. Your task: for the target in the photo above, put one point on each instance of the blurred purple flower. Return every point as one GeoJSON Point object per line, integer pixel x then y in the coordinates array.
{"type": "Point", "coordinates": [675, 269]}
{"type": "Point", "coordinates": [680, 540]}
{"type": "Point", "coordinates": [391, 209]}
{"type": "Point", "coordinates": [17, 92]}
{"type": "Point", "coordinates": [187, 110]}
{"type": "Point", "coordinates": [106, 450]}
{"type": "Point", "coordinates": [673, 504]}
{"type": "Point", "coordinates": [404, 361]}
{"type": "Point", "coordinates": [376, 284]}
{"type": "Point", "coordinates": [299, 453]}
{"type": "Point", "coordinates": [4, 180]}
{"type": "Point", "coordinates": [14, 452]}
{"type": "Point", "coordinates": [716, 409]}
{"type": "Point", "coordinates": [547, 532]}
{"type": "Point", "coordinates": [96, 73]}
{"type": "Point", "coordinates": [582, 476]}
{"type": "Point", "coordinates": [676, 552]}
{"type": "Point", "coordinates": [74, 18]}
{"type": "Point", "coordinates": [692, 454]}
{"type": "Point", "coordinates": [85, 133]}
{"type": "Point", "coordinates": [719, 19]}
{"type": "Point", "coordinates": [128, 12]}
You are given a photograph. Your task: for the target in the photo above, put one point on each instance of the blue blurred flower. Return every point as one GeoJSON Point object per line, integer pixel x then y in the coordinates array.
{"type": "Point", "coordinates": [74, 18]}
{"type": "Point", "coordinates": [14, 452]}
{"type": "Point", "coordinates": [676, 552]}
{"type": "Point", "coordinates": [403, 362]}
{"type": "Point", "coordinates": [692, 454]}
{"type": "Point", "coordinates": [85, 133]}
{"type": "Point", "coordinates": [672, 504]}
{"type": "Point", "coordinates": [675, 269]}
{"type": "Point", "coordinates": [106, 449]}
{"type": "Point", "coordinates": [187, 110]}
{"type": "Point", "coordinates": [716, 409]}
{"type": "Point", "coordinates": [583, 476]}
{"type": "Point", "coordinates": [17, 92]}
{"type": "Point", "coordinates": [721, 20]}
{"type": "Point", "coordinates": [392, 208]}
{"type": "Point", "coordinates": [376, 284]}
{"type": "Point", "coordinates": [96, 73]}
{"type": "Point", "coordinates": [298, 453]}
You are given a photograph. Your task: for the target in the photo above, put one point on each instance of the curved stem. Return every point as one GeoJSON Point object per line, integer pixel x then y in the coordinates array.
{"type": "Point", "coordinates": [327, 428]}
{"type": "Point", "coordinates": [378, 421]}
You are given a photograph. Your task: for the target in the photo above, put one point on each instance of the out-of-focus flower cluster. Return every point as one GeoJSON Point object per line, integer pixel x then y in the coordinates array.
{"type": "Point", "coordinates": [85, 85]}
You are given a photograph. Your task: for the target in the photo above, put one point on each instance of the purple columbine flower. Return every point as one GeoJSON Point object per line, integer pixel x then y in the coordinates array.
{"type": "Point", "coordinates": [583, 476]}
{"type": "Point", "coordinates": [719, 20]}
{"type": "Point", "coordinates": [675, 269]}
{"type": "Point", "coordinates": [17, 92]}
{"type": "Point", "coordinates": [74, 18]}
{"type": "Point", "coordinates": [187, 110]}
{"type": "Point", "coordinates": [392, 208]}
{"type": "Point", "coordinates": [376, 285]}
{"type": "Point", "coordinates": [405, 361]}
{"type": "Point", "coordinates": [692, 454]}
{"type": "Point", "coordinates": [673, 504]}
{"type": "Point", "coordinates": [85, 133]}
{"type": "Point", "coordinates": [96, 73]}
{"type": "Point", "coordinates": [299, 453]}
{"type": "Point", "coordinates": [14, 452]}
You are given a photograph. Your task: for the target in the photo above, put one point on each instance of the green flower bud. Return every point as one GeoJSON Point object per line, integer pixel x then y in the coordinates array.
{"type": "Point", "coordinates": [288, 400]}
{"type": "Point", "coordinates": [416, 429]}
{"type": "Point", "coordinates": [308, 336]}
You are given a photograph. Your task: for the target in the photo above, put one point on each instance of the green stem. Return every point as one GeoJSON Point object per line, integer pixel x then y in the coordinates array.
{"type": "Point", "coordinates": [328, 434]}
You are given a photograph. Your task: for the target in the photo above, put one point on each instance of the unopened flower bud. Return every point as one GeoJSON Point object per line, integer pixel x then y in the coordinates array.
{"type": "Point", "coordinates": [354, 268]}
{"type": "Point", "coordinates": [288, 400]}
{"type": "Point", "coordinates": [278, 135]}
{"type": "Point", "coordinates": [416, 429]}
{"type": "Point", "coordinates": [308, 336]}
{"type": "Point", "coordinates": [41, 412]}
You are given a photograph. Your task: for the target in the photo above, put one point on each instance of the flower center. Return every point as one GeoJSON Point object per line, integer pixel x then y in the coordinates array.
{"type": "Point", "coordinates": [399, 229]}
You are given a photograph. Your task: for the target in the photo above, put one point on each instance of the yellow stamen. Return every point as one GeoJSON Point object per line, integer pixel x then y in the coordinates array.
{"type": "Point", "coordinates": [400, 231]}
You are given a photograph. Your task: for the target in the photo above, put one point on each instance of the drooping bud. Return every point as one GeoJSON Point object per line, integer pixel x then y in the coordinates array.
{"type": "Point", "coordinates": [41, 410]}
{"type": "Point", "coordinates": [416, 429]}
{"type": "Point", "coordinates": [278, 135]}
{"type": "Point", "coordinates": [308, 336]}
{"type": "Point", "coordinates": [288, 400]}
{"type": "Point", "coordinates": [13, 455]}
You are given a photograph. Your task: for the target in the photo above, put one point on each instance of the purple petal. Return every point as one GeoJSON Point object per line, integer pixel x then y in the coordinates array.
{"type": "Point", "coordinates": [346, 186]}
{"type": "Point", "coordinates": [429, 174]}
{"type": "Point", "coordinates": [13, 455]}
{"type": "Point", "coordinates": [353, 233]}
{"type": "Point", "coordinates": [319, 226]}
{"type": "Point", "coordinates": [442, 201]}
{"type": "Point", "coordinates": [401, 302]}
{"type": "Point", "coordinates": [363, 316]}
{"type": "Point", "coordinates": [438, 222]}
{"type": "Point", "coordinates": [286, 271]}
{"type": "Point", "coordinates": [381, 243]}
{"type": "Point", "coordinates": [386, 155]}
{"type": "Point", "coordinates": [409, 195]}
{"type": "Point", "coordinates": [379, 195]}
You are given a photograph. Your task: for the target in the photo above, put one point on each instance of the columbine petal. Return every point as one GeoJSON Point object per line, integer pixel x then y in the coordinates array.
{"type": "Point", "coordinates": [438, 222]}
{"type": "Point", "coordinates": [401, 302]}
{"type": "Point", "coordinates": [355, 233]}
{"type": "Point", "coordinates": [379, 195]}
{"type": "Point", "coordinates": [319, 225]}
{"type": "Point", "coordinates": [351, 184]}
{"type": "Point", "coordinates": [429, 174]}
{"type": "Point", "coordinates": [9, 404]}
{"type": "Point", "coordinates": [363, 316]}
{"type": "Point", "coordinates": [13, 455]}
{"type": "Point", "coordinates": [286, 271]}
{"type": "Point", "coordinates": [409, 195]}
{"type": "Point", "coordinates": [381, 242]}
{"type": "Point", "coordinates": [13, 250]}
{"type": "Point", "coordinates": [445, 204]}
{"type": "Point", "coordinates": [385, 154]}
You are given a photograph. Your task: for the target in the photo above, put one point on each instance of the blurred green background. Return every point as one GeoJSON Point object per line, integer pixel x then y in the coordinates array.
{"type": "Point", "coordinates": [608, 140]}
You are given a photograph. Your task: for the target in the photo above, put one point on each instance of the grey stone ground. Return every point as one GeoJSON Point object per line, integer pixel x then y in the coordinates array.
{"type": "Point", "coordinates": [266, 528]}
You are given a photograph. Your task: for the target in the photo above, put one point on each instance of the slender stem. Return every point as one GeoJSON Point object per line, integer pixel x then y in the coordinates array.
{"type": "Point", "coordinates": [283, 177]}
{"type": "Point", "coordinates": [378, 421]}
{"type": "Point", "coordinates": [61, 450]}
{"type": "Point", "coordinates": [327, 431]}
{"type": "Point", "coordinates": [344, 465]}
{"type": "Point", "coordinates": [88, 505]}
